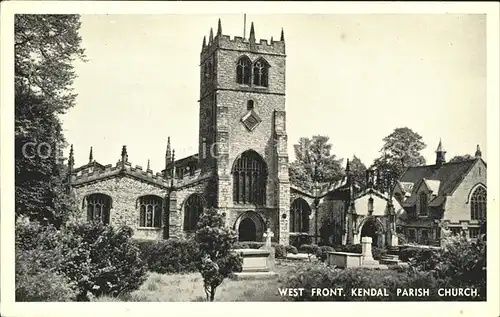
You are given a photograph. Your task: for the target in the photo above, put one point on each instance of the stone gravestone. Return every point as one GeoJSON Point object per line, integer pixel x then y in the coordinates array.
{"type": "Point", "coordinates": [267, 246]}
{"type": "Point", "coordinates": [367, 258]}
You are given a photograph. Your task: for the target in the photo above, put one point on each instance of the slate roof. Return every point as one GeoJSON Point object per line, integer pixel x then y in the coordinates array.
{"type": "Point", "coordinates": [444, 179]}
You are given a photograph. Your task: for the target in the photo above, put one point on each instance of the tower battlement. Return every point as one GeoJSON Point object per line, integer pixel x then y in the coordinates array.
{"type": "Point", "coordinates": [238, 43]}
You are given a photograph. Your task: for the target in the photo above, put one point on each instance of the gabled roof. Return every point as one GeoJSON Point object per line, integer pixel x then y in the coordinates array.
{"type": "Point", "coordinates": [93, 164]}
{"type": "Point", "coordinates": [442, 180]}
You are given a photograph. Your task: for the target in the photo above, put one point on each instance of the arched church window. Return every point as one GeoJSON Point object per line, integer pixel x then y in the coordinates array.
{"type": "Point", "coordinates": [260, 73]}
{"type": "Point", "coordinates": [193, 209]}
{"type": "Point", "coordinates": [150, 211]}
{"type": "Point", "coordinates": [98, 208]}
{"type": "Point", "coordinates": [249, 179]}
{"type": "Point", "coordinates": [478, 204]}
{"type": "Point", "coordinates": [243, 71]}
{"type": "Point", "coordinates": [299, 216]}
{"type": "Point", "coordinates": [423, 204]}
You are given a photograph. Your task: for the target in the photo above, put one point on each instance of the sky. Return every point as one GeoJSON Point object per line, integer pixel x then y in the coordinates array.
{"type": "Point", "coordinates": [354, 78]}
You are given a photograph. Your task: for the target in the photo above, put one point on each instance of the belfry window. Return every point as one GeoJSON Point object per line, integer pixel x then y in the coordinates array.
{"type": "Point", "coordinates": [260, 73]}
{"type": "Point", "coordinates": [243, 71]}
{"type": "Point", "coordinates": [150, 211]}
{"type": "Point", "coordinates": [98, 208]}
{"type": "Point", "coordinates": [249, 179]}
{"type": "Point", "coordinates": [478, 204]}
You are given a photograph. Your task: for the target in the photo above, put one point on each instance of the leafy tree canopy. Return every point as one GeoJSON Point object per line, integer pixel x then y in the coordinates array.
{"type": "Point", "coordinates": [315, 162]}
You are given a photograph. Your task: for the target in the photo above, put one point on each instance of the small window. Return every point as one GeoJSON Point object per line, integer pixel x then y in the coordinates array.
{"type": "Point", "coordinates": [411, 235]}
{"type": "Point", "coordinates": [250, 104]}
{"type": "Point", "coordinates": [473, 233]}
{"type": "Point", "coordinates": [423, 204]}
{"type": "Point", "coordinates": [424, 236]}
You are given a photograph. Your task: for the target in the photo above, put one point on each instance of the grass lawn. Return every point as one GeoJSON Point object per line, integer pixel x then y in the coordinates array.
{"type": "Point", "coordinates": [189, 287]}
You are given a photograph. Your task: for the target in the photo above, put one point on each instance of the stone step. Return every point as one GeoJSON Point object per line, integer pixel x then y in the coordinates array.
{"type": "Point", "coordinates": [390, 261]}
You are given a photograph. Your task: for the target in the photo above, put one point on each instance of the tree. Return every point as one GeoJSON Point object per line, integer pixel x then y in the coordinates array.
{"type": "Point", "coordinates": [358, 170]}
{"type": "Point", "coordinates": [461, 158]}
{"type": "Point", "coordinates": [217, 261]}
{"type": "Point", "coordinates": [315, 162]}
{"type": "Point", "coordinates": [401, 149]}
{"type": "Point", "coordinates": [45, 46]}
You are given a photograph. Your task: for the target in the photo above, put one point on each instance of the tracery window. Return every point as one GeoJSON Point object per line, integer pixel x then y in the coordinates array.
{"type": "Point", "coordinates": [193, 209]}
{"type": "Point", "coordinates": [249, 179]}
{"type": "Point", "coordinates": [260, 73]}
{"type": "Point", "coordinates": [478, 204]}
{"type": "Point", "coordinates": [243, 71]}
{"type": "Point", "coordinates": [150, 211]}
{"type": "Point", "coordinates": [98, 208]}
{"type": "Point", "coordinates": [299, 216]}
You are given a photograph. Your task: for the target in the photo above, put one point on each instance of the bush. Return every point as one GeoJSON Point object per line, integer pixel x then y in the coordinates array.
{"type": "Point", "coordinates": [351, 248]}
{"type": "Point", "coordinates": [280, 251]}
{"type": "Point", "coordinates": [169, 256]}
{"type": "Point", "coordinates": [37, 278]}
{"type": "Point", "coordinates": [322, 252]}
{"type": "Point", "coordinates": [406, 253]}
{"type": "Point", "coordinates": [298, 240]}
{"type": "Point", "coordinates": [291, 249]}
{"type": "Point", "coordinates": [94, 259]}
{"type": "Point", "coordinates": [378, 253]}
{"type": "Point", "coordinates": [460, 263]}
{"type": "Point", "coordinates": [323, 276]}
{"type": "Point", "coordinates": [309, 248]}
{"type": "Point", "coordinates": [103, 260]}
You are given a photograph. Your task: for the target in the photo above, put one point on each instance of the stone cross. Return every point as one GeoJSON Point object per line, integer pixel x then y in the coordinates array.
{"type": "Point", "coordinates": [268, 235]}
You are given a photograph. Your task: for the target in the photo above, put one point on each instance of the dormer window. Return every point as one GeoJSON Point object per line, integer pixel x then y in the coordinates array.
{"type": "Point", "coordinates": [260, 73]}
{"type": "Point", "coordinates": [243, 71]}
{"type": "Point", "coordinates": [423, 206]}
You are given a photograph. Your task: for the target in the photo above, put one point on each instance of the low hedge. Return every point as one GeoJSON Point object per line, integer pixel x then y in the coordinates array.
{"type": "Point", "coordinates": [322, 252]}
{"type": "Point", "coordinates": [169, 256]}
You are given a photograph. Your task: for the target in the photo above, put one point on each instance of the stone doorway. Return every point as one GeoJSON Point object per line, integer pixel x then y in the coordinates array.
{"type": "Point", "coordinates": [250, 227]}
{"type": "Point", "coordinates": [373, 229]}
{"type": "Point", "coordinates": [247, 230]}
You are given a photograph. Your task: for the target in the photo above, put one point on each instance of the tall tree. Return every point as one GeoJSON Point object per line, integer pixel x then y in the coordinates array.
{"type": "Point", "coordinates": [461, 158]}
{"type": "Point", "coordinates": [358, 170]}
{"type": "Point", "coordinates": [45, 47]}
{"type": "Point", "coordinates": [315, 162]}
{"type": "Point", "coordinates": [401, 149]}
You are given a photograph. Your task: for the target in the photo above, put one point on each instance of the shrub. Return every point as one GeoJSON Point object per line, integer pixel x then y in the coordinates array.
{"type": "Point", "coordinates": [322, 252]}
{"type": "Point", "coordinates": [280, 251]}
{"type": "Point", "coordinates": [169, 256]}
{"type": "Point", "coordinates": [103, 260]}
{"type": "Point", "coordinates": [298, 240]}
{"type": "Point", "coordinates": [378, 253]}
{"type": "Point", "coordinates": [460, 263]}
{"type": "Point", "coordinates": [291, 249]}
{"type": "Point", "coordinates": [407, 252]}
{"type": "Point", "coordinates": [216, 242]}
{"type": "Point", "coordinates": [322, 276]}
{"type": "Point", "coordinates": [37, 278]}
{"type": "Point", "coordinates": [94, 259]}
{"type": "Point", "coordinates": [309, 248]}
{"type": "Point", "coordinates": [352, 248]}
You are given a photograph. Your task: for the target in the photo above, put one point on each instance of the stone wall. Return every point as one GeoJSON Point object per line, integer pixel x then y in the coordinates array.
{"type": "Point", "coordinates": [458, 206]}
{"type": "Point", "coordinates": [124, 192]}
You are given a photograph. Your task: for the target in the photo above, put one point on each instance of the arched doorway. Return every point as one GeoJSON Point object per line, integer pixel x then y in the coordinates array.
{"type": "Point", "coordinates": [372, 228]}
{"type": "Point", "coordinates": [247, 230]}
{"type": "Point", "coordinates": [250, 227]}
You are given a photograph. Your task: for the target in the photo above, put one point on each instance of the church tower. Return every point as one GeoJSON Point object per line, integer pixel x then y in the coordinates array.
{"type": "Point", "coordinates": [242, 132]}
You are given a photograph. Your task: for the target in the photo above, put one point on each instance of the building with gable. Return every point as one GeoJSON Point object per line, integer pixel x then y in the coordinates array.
{"type": "Point", "coordinates": [443, 196]}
